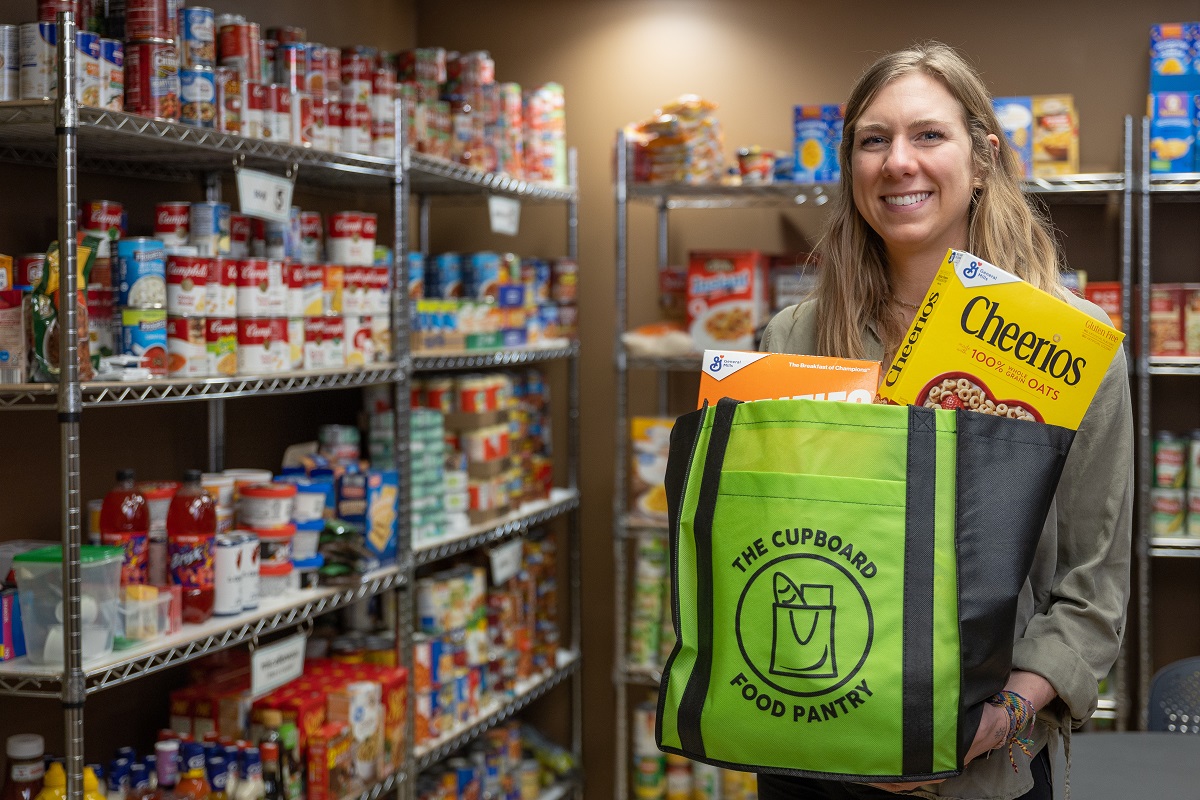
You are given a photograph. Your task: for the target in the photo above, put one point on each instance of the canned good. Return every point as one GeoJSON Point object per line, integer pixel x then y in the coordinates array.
{"type": "Point", "coordinates": [10, 69]}
{"type": "Point", "coordinates": [287, 34]}
{"type": "Point", "coordinates": [220, 342]}
{"type": "Point", "coordinates": [310, 249]}
{"type": "Point", "coordinates": [227, 575]}
{"type": "Point", "coordinates": [238, 47]}
{"type": "Point", "coordinates": [260, 288]}
{"type": "Point", "coordinates": [197, 97]}
{"type": "Point", "coordinates": [266, 49]}
{"type": "Point", "coordinates": [383, 94]}
{"type": "Point", "coordinates": [239, 236]}
{"type": "Point", "coordinates": [171, 222]}
{"type": "Point", "coordinates": [254, 111]}
{"type": "Point", "coordinates": [102, 338]}
{"type": "Point", "coordinates": [1170, 460]}
{"type": "Point", "coordinates": [249, 571]}
{"type": "Point", "coordinates": [1167, 510]}
{"type": "Point", "coordinates": [144, 334]}
{"type": "Point", "coordinates": [187, 354]}
{"type": "Point", "coordinates": [48, 9]}
{"type": "Point", "coordinates": [291, 66]}
{"type": "Point", "coordinates": [112, 74]}
{"type": "Point", "coordinates": [231, 97]}
{"type": "Point", "coordinates": [148, 19]}
{"type": "Point", "coordinates": [197, 37]}
{"type": "Point", "coordinates": [269, 239]}
{"type": "Point", "coordinates": [1192, 524]}
{"type": "Point", "coordinates": [266, 505]}
{"type": "Point", "coordinates": [303, 122]}
{"type": "Point", "coordinates": [262, 346]}
{"type": "Point", "coordinates": [295, 340]}
{"type": "Point", "coordinates": [187, 285]}
{"type": "Point", "coordinates": [334, 285]}
{"type": "Point", "coordinates": [152, 79]}
{"type": "Point", "coordinates": [38, 77]}
{"type": "Point", "coordinates": [279, 114]}
{"type": "Point", "coordinates": [158, 496]}
{"type": "Point", "coordinates": [322, 137]}
{"type": "Point", "coordinates": [87, 68]}
{"type": "Point", "coordinates": [141, 273]}
{"type": "Point", "coordinates": [358, 341]}
{"type": "Point", "coordinates": [444, 280]}
{"type": "Point", "coordinates": [104, 219]}
{"type": "Point", "coordinates": [351, 239]}
{"type": "Point", "coordinates": [208, 228]}
{"type": "Point", "coordinates": [1193, 462]}
{"type": "Point", "coordinates": [564, 281]}
{"type": "Point", "coordinates": [221, 288]}
{"type": "Point", "coordinates": [356, 128]}
{"type": "Point", "coordinates": [329, 61]}
{"type": "Point", "coordinates": [28, 269]}
{"type": "Point", "coordinates": [482, 276]}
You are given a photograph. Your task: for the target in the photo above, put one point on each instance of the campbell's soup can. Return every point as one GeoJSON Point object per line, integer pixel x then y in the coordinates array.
{"type": "Point", "coordinates": [269, 239]}
{"type": "Point", "coordinates": [266, 50]}
{"type": "Point", "coordinates": [144, 334]}
{"type": "Point", "coordinates": [147, 19]}
{"type": "Point", "coordinates": [1170, 461]}
{"type": "Point", "coordinates": [102, 330]}
{"type": "Point", "coordinates": [354, 289]}
{"type": "Point", "coordinates": [383, 94]}
{"type": "Point", "coordinates": [237, 44]}
{"type": "Point", "coordinates": [10, 69]}
{"type": "Point", "coordinates": [39, 69]}
{"type": "Point", "coordinates": [262, 345]}
{"type": "Point", "coordinates": [28, 269]}
{"type": "Point", "coordinates": [333, 288]}
{"type": "Point", "coordinates": [254, 111]}
{"type": "Point", "coordinates": [330, 62]}
{"type": "Point", "coordinates": [152, 79]}
{"type": "Point", "coordinates": [314, 343]}
{"type": "Point", "coordinates": [295, 333]}
{"type": "Point", "coordinates": [1168, 507]}
{"type": "Point", "coordinates": [220, 343]}
{"type": "Point", "coordinates": [359, 340]}
{"type": "Point", "coordinates": [310, 237]}
{"type": "Point", "coordinates": [197, 37]}
{"type": "Point", "coordinates": [314, 79]}
{"type": "Point", "coordinates": [141, 270]}
{"type": "Point", "coordinates": [87, 68]}
{"type": "Point", "coordinates": [286, 34]}
{"type": "Point", "coordinates": [260, 289]}
{"type": "Point", "coordinates": [239, 235]}
{"type": "Point", "coordinates": [381, 335]}
{"type": "Point", "coordinates": [314, 290]}
{"type": "Point", "coordinates": [293, 281]}
{"type": "Point", "coordinates": [321, 138]}
{"type": "Point", "coordinates": [291, 66]}
{"type": "Point", "coordinates": [222, 287]}
{"type": "Point", "coordinates": [198, 97]}
{"type": "Point", "coordinates": [379, 281]}
{"type": "Point", "coordinates": [231, 98]}
{"type": "Point", "coordinates": [303, 123]}
{"type": "Point", "coordinates": [227, 575]}
{"type": "Point", "coordinates": [334, 122]}
{"type": "Point", "coordinates": [356, 128]}
{"type": "Point", "coordinates": [187, 284]}
{"type": "Point", "coordinates": [208, 228]}
{"type": "Point", "coordinates": [1193, 468]}
{"type": "Point", "coordinates": [112, 74]}
{"type": "Point", "coordinates": [383, 139]}
{"type": "Point", "coordinates": [187, 350]}
{"type": "Point", "coordinates": [104, 219]}
{"type": "Point", "coordinates": [356, 71]}
{"type": "Point", "coordinates": [279, 112]}
{"type": "Point", "coordinates": [48, 9]}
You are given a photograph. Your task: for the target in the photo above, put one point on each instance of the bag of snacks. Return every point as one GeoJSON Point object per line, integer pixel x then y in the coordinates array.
{"type": "Point", "coordinates": [43, 310]}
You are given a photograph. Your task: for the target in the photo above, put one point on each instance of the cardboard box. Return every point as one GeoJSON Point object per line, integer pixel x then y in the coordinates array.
{"type": "Point", "coordinates": [817, 136]}
{"type": "Point", "coordinates": [1191, 320]}
{"type": "Point", "coordinates": [1016, 118]}
{"type": "Point", "coordinates": [1107, 295]}
{"type": "Point", "coordinates": [1055, 135]}
{"type": "Point", "coordinates": [331, 773]}
{"type": "Point", "coordinates": [382, 532]}
{"type": "Point", "coordinates": [726, 298]}
{"type": "Point", "coordinates": [393, 683]}
{"type": "Point", "coordinates": [1172, 57]}
{"type": "Point", "coordinates": [14, 346]}
{"type": "Point", "coordinates": [650, 438]}
{"type": "Point", "coordinates": [984, 339]}
{"type": "Point", "coordinates": [1171, 134]}
{"type": "Point", "coordinates": [1166, 320]}
{"type": "Point", "coordinates": [360, 704]}
{"type": "Point", "coordinates": [780, 376]}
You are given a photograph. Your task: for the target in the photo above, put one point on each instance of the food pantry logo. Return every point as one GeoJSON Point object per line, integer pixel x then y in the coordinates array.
{"type": "Point", "coordinates": [821, 629]}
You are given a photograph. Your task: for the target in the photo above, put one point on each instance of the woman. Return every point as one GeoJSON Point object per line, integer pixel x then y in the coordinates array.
{"type": "Point", "coordinates": [925, 168]}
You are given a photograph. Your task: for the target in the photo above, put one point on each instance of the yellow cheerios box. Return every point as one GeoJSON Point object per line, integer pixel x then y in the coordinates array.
{"type": "Point", "coordinates": [987, 341]}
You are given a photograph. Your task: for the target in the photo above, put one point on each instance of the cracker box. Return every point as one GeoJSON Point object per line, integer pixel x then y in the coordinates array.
{"type": "Point", "coordinates": [1055, 135]}
{"type": "Point", "coordinates": [650, 438]}
{"type": "Point", "coordinates": [726, 298]}
{"type": "Point", "coordinates": [818, 134]}
{"type": "Point", "coordinates": [780, 376]}
{"type": "Point", "coordinates": [985, 340]}
{"type": "Point", "coordinates": [1171, 136]}
{"type": "Point", "coordinates": [1016, 118]}
{"type": "Point", "coordinates": [383, 511]}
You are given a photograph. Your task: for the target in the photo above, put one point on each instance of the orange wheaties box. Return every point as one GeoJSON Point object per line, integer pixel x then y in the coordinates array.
{"type": "Point", "coordinates": [984, 340]}
{"type": "Point", "coordinates": [727, 297]}
{"type": "Point", "coordinates": [781, 376]}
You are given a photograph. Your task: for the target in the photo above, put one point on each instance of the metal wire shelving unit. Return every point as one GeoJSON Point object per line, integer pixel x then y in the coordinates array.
{"type": "Point", "coordinates": [631, 526]}
{"type": "Point", "coordinates": [74, 139]}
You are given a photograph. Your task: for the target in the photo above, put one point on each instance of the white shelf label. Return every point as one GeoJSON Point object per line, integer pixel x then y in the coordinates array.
{"type": "Point", "coordinates": [261, 194]}
{"type": "Point", "coordinates": [276, 664]}
{"type": "Point", "coordinates": [505, 215]}
{"type": "Point", "coordinates": [506, 561]}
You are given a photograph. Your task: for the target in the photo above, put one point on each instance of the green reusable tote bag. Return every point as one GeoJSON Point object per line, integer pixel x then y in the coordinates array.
{"type": "Point", "coordinates": [845, 582]}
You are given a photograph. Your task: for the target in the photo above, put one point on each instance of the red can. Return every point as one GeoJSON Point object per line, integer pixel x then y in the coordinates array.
{"type": "Point", "coordinates": [356, 128]}
{"type": "Point", "coordinates": [334, 123]}
{"type": "Point", "coordinates": [28, 269]}
{"type": "Point", "coordinates": [262, 347]}
{"type": "Point", "coordinates": [231, 98]}
{"type": "Point", "coordinates": [152, 79]}
{"type": "Point", "coordinates": [356, 77]}
{"type": "Point", "coordinates": [187, 285]}
{"type": "Point", "coordinates": [220, 340]}
{"type": "Point", "coordinates": [321, 133]}
{"type": "Point", "coordinates": [222, 287]}
{"type": "Point", "coordinates": [171, 223]}
{"type": "Point", "coordinates": [48, 9]}
{"type": "Point", "coordinates": [148, 19]}
{"type": "Point", "coordinates": [303, 119]}
{"type": "Point", "coordinates": [279, 113]}
{"type": "Point", "coordinates": [331, 63]}
{"type": "Point", "coordinates": [287, 34]}
{"type": "Point", "coordinates": [239, 235]}
{"type": "Point", "coordinates": [237, 47]}
{"type": "Point", "coordinates": [102, 216]}
{"type": "Point", "coordinates": [254, 111]}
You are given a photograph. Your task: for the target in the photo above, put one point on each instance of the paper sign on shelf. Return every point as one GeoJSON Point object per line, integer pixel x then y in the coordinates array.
{"type": "Point", "coordinates": [505, 215]}
{"type": "Point", "coordinates": [261, 194]}
{"type": "Point", "coordinates": [275, 664]}
{"type": "Point", "coordinates": [506, 561]}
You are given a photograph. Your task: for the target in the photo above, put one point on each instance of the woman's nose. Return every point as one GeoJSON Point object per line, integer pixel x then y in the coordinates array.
{"type": "Point", "coordinates": [901, 158]}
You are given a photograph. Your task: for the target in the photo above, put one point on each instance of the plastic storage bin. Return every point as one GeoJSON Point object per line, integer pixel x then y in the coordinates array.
{"type": "Point", "coordinates": [39, 585]}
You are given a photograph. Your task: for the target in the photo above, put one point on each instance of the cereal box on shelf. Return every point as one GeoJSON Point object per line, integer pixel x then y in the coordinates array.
{"type": "Point", "coordinates": [651, 440]}
{"type": "Point", "coordinates": [985, 340]}
{"type": "Point", "coordinates": [1055, 135]}
{"type": "Point", "coordinates": [817, 136]}
{"type": "Point", "coordinates": [780, 376]}
{"type": "Point", "coordinates": [1171, 135]}
{"type": "Point", "coordinates": [1107, 295]}
{"type": "Point", "coordinates": [1016, 118]}
{"type": "Point", "coordinates": [1166, 320]}
{"type": "Point", "coordinates": [1171, 56]}
{"type": "Point", "coordinates": [726, 298]}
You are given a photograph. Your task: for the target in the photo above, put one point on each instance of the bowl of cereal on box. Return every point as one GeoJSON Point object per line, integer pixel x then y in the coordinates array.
{"type": "Point", "coordinates": [954, 390]}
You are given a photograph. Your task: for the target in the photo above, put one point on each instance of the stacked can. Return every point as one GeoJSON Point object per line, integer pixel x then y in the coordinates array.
{"type": "Point", "coordinates": [1192, 526]}
{"type": "Point", "coordinates": [264, 510]}
{"type": "Point", "coordinates": [32, 72]}
{"type": "Point", "coordinates": [383, 110]}
{"type": "Point", "coordinates": [197, 58]}
{"type": "Point", "coordinates": [646, 615]}
{"type": "Point", "coordinates": [1168, 498]}
{"type": "Point", "coordinates": [649, 763]}
{"type": "Point", "coordinates": [427, 452]}
{"type": "Point", "coordinates": [235, 573]}
{"type": "Point", "coordinates": [152, 62]}
{"type": "Point", "coordinates": [10, 70]}
{"type": "Point", "coordinates": [139, 281]}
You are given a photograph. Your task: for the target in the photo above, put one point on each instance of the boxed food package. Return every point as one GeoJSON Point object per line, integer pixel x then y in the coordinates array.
{"type": "Point", "coordinates": [1107, 295]}
{"type": "Point", "coordinates": [1191, 320]}
{"type": "Point", "coordinates": [985, 340]}
{"type": "Point", "coordinates": [1171, 136]}
{"type": "Point", "coordinates": [331, 773]}
{"type": "Point", "coordinates": [12, 338]}
{"type": "Point", "coordinates": [1167, 301]}
{"type": "Point", "coordinates": [1055, 135]}
{"type": "Point", "coordinates": [12, 635]}
{"type": "Point", "coordinates": [817, 136]}
{"type": "Point", "coordinates": [1172, 56]}
{"type": "Point", "coordinates": [383, 513]}
{"type": "Point", "coordinates": [783, 376]}
{"type": "Point", "coordinates": [650, 440]}
{"type": "Point", "coordinates": [726, 298]}
{"type": "Point", "coordinates": [1016, 118]}
{"type": "Point", "coordinates": [360, 705]}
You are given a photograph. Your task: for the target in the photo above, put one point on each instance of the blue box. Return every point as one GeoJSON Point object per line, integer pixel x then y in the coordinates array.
{"type": "Point", "coordinates": [12, 633]}
{"type": "Point", "coordinates": [381, 532]}
{"type": "Point", "coordinates": [1016, 118]}
{"type": "Point", "coordinates": [1172, 141]}
{"type": "Point", "coordinates": [1173, 57]}
{"type": "Point", "coordinates": [511, 295]}
{"type": "Point", "coordinates": [817, 136]}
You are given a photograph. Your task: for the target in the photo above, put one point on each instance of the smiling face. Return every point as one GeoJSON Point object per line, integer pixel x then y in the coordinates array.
{"type": "Point", "coordinates": [912, 168]}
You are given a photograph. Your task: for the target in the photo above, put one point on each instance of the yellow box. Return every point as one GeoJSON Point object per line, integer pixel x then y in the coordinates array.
{"type": "Point", "coordinates": [984, 339]}
{"type": "Point", "coordinates": [1055, 135]}
{"type": "Point", "coordinates": [781, 376]}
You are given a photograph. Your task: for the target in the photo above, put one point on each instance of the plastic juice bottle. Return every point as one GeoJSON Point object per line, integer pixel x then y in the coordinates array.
{"type": "Point", "coordinates": [91, 785]}
{"type": "Point", "coordinates": [26, 769]}
{"type": "Point", "coordinates": [192, 784]}
{"type": "Point", "coordinates": [250, 783]}
{"type": "Point", "coordinates": [54, 785]}
{"type": "Point", "coordinates": [191, 530]}
{"type": "Point", "coordinates": [125, 522]}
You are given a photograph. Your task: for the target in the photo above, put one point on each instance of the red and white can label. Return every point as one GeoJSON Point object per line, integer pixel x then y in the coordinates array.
{"type": "Point", "coordinates": [231, 99]}
{"type": "Point", "coordinates": [222, 287]}
{"type": "Point", "coordinates": [295, 330]}
{"type": "Point", "coordinates": [262, 346]}
{"type": "Point", "coordinates": [356, 77]}
{"type": "Point", "coordinates": [356, 128]}
{"type": "Point", "coordinates": [171, 223]}
{"type": "Point", "coordinates": [238, 46]}
{"type": "Point", "coordinates": [279, 109]}
{"type": "Point", "coordinates": [303, 119]}
{"type": "Point", "coordinates": [314, 343]}
{"type": "Point", "coordinates": [314, 290]}
{"type": "Point", "coordinates": [254, 111]}
{"type": "Point", "coordinates": [187, 285]}
{"type": "Point", "coordinates": [354, 291]}
{"type": "Point", "coordinates": [260, 290]}
{"type": "Point", "coordinates": [360, 342]}
{"type": "Point", "coordinates": [310, 237]}
{"type": "Point", "coordinates": [152, 79]}
{"type": "Point", "coordinates": [239, 235]}
{"type": "Point", "coordinates": [187, 351]}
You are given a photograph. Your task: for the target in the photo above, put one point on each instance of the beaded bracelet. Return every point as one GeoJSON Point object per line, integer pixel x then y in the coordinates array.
{"type": "Point", "coordinates": [1020, 714]}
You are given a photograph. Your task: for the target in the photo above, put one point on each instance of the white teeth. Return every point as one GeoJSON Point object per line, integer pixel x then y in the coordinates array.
{"type": "Point", "coordinates": [905, 199]}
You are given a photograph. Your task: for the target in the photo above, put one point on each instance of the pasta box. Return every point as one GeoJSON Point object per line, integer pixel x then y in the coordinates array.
{"type": "Point", "coordinates": [727, 296]}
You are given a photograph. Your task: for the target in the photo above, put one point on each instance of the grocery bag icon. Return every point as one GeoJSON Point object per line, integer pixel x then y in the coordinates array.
{"type": "Point", "coordinates": [802, 630]}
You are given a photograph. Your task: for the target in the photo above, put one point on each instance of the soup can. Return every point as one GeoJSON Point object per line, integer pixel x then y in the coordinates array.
{"type": "Point", "coordinates": [249, 571]}
{"type": "Point", "coordinates": [10, 70]}
{"type": "Point", "coordinates": [112, 74]}
{"type": "Point", "coordinates": [295, 333]}
{"type": "Point", "coordinates": [303, 122]}
{"type": "Point", "coordinates": [227, 575]}
{"type": "Point", "coordinates": [231, 98]}
{"type": "Point", "coordinates": [356, 70]}
{"type": "Point", "coordinates": [48, 9]}
{"type": "Point", "coordinates": [1193, 467]}
{"type": "Point", "coordinates": [220, 342]}
{"type": "Point", "coordinates": [148, 19]}
{"type": "Point", "coordinates": [102, 334]}
{"type": "Point", "coordinates": [208, 228]}
{"type": "Point", "coordinates": [141, 270]}
{"type": "Point", "coordinates": [87, 68]}
{"type": "Point", "coordinates": [254, 111]}
{"type": "Point", "coordinates": [187, 284]}
{"type": "Point", "coordinates": [266, 505]}
{"type": "Point", "coordinates": [144, 334]}
{"type": "Point", "coordinates": [1168, 508]}
{"type": "Point", "coordinates": [286, 34]}
{"type": "Point", "coordinates": [1170, 461]}
{"type": "Point", "coordinates": [262, 346]}
{"type": "Point", "coordinates": [238, 48]}
{"type": "Point", "coordinates": [171, 222]}
{"type": "Point", "coordinates": [260, 288]}
{"type": "Point", "coordinates": [104, 219]}
{"type": "Point", "coordinates": [222, 287]}
{"type": "Point", "coordinates": [197, 97]}
{"type": "Point", "coordinates": [28, 269]}
{"type": "Point", "coordinates": [197, 37]}
{"type": "Point", "coordinates": [291, 66]}
{"type": "Point", "coordinates": [279, 114]}
{"type": "Point", "coordinates": [356, 128]}
{"type": "Point", "coordinates": [187, 351]}
{"type": "Point", "coordinates": [152, 79]}
{"type": "Point", "coordinates": [39, 71]}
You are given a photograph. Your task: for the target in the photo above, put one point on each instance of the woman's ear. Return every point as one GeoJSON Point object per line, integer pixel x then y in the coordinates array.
{"type": "Point", "coordinates": [994, 142]}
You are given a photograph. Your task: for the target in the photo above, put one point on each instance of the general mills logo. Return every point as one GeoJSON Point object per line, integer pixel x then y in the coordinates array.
{"type": "Point", "coordinates": [971, 270]}
{"type": "Point", "coordinates": [716, 364]}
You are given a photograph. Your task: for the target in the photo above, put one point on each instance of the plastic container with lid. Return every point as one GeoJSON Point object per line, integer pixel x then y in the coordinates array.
{"type": "Point", "coordinates": [306, 539]}
{"type": "Point", "coordinates": [220, 486]}
{"type": "Point", "coordinates": [274, 545]}
{"type": "Point", "coordinates": [26, 769]}
{"type": "Point", "coordinates": [275, 580]}
{"type": "Point", "coordinates": [266, 505]}
{"type": "Point", "coordinates": [39, 585]}
{"type": "Point", "coordinates": [246, 477]}
{"type": "Point", "coordinates": [314, 496]}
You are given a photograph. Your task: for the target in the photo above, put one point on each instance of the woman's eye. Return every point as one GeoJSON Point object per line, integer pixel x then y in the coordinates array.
{"type": "Point", "coordinates": [931, 136]}
{"type": "Point", "coordinates": [869, 141]}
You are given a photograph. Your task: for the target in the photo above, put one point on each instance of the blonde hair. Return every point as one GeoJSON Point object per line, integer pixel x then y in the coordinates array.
{"type": "Point", "coordinates": [854, 286]}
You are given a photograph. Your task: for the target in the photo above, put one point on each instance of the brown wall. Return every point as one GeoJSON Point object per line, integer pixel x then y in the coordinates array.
{"type": "Point", "coordinates": [621, 59]}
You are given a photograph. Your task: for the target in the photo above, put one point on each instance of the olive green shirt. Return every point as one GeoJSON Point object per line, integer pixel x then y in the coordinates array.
{"type": "Point", "coordinates": [1071, 612]}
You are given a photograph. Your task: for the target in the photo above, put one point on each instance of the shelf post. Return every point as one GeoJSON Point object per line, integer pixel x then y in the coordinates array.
{"type": "Point", "coordinates": [620, 549]}
{"type": "Point", "coordinates": [574, 534]}
{"type": "Point", "coordinates": [1145, 459]}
